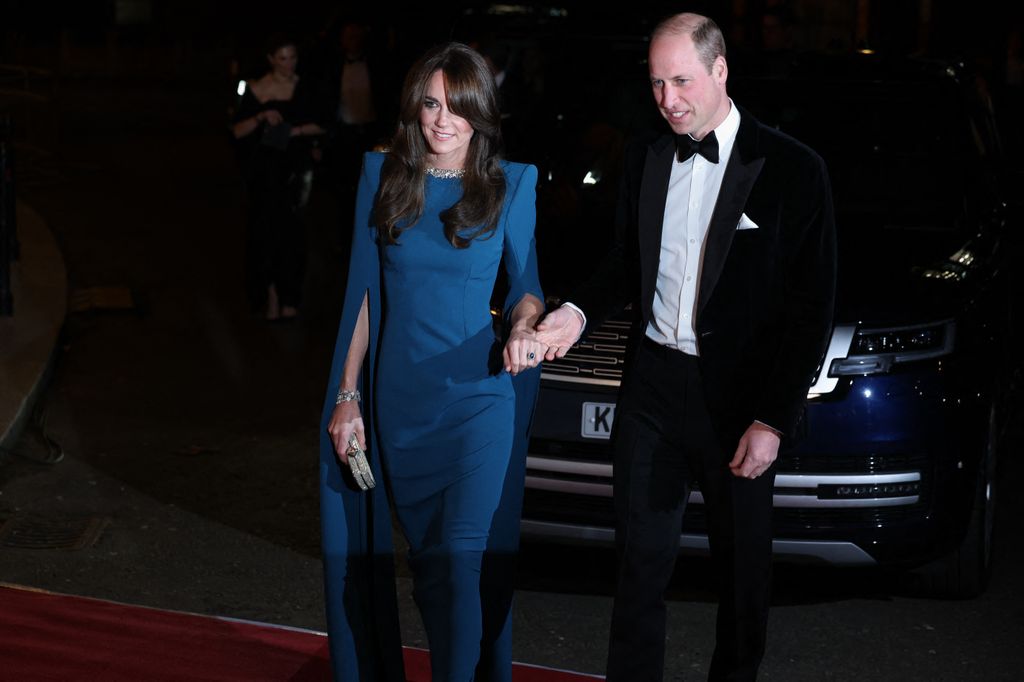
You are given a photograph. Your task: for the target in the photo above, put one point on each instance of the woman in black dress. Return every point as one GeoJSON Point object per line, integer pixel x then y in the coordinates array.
{"type": "Point", "coordinates": [276, 129]}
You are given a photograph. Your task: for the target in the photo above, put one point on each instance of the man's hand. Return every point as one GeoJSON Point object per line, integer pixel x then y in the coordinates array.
{"type": "Point", "coordinates": [559, 330]}
{"type": "Point", "coordinates": [756, 451]}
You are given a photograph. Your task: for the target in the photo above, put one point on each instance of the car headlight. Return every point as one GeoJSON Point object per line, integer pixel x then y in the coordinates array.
{"type": "Point", "coordinates": [875, 351]}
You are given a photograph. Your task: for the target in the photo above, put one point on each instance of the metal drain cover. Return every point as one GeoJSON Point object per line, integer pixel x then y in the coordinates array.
{"type": "Point", "coordinates": [35, 532]}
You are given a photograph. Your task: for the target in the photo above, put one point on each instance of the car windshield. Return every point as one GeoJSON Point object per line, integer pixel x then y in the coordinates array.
{"type": "Point", "coordinates": [900, 157]}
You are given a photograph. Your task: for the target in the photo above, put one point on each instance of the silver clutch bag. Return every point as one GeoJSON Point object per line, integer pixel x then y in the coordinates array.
{"type": "Point", "coordinates": [359, 466]}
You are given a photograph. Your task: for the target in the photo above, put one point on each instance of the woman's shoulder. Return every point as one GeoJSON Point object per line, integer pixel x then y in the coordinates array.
{"type": "Point", "coordinates": [516, 172]}
{"type": "Point", "coordinates": [257, 87]}
{"type": "Point", "coordinates": [373, 161]}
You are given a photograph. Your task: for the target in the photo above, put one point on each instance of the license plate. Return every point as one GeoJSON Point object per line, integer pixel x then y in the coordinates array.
{"type": "Point", "coordinates": [597, 420]}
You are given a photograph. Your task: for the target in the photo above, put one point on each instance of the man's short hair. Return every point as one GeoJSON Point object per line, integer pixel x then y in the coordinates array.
{"type": "Point", "coordinates": [704, 32]}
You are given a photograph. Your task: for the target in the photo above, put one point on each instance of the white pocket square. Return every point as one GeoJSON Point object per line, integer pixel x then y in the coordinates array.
{"type": "Point", "coordinates": [746, 223]}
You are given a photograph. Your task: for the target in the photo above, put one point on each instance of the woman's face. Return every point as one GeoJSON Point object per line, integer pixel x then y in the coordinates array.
{"type": "Point", "coordinates": [447, 135]}
{"type": "Point", "coordinates": [284, 60]}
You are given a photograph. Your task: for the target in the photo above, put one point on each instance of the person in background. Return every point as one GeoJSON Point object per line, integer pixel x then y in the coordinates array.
{"type": "Point", "coordinates": [512, 96]}
{"type": "Point", "coordinates": [728, 254]}
{"type": "Point", "coordinates": [275, 126]}
{"type": "Point", "coordinates": [360, 114]}
{"type": "Point", "coordinates": [423, 386]}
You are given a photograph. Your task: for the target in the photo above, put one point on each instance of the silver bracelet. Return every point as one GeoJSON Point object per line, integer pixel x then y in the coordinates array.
{"type": "Point", "coordinates": [347, 396]}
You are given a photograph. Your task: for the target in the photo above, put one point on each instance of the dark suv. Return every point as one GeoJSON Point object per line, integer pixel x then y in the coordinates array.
{"type": "Point", "coordinates": [899, 457]}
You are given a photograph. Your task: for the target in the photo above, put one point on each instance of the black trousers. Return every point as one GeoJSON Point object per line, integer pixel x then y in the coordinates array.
{"type": "Point", "coordinates": [663, 441]}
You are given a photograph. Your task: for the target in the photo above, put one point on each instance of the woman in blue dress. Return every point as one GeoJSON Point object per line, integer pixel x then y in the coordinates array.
{"type": "Point", "coordinates": [425, 386]}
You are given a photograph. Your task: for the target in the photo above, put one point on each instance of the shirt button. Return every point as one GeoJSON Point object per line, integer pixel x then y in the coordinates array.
{"type": "Point", "coordinates": [688, 278]}
{"type": "Point", "coordinates": [692, 241]}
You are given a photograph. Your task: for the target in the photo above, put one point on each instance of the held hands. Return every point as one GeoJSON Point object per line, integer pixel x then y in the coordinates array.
{"type": "Point", "coordinates": [756, 451]}
{"type": "Point", "coordinates": [559, 330]}
{"type": "Point", "coordinates": [522, 350]}
{"type": "Point", "coordinates": [346, 420]}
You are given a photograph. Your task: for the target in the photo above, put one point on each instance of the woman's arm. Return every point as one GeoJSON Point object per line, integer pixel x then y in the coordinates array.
{"type": "Point", "coordinates": [524, 299]}
{"type": "Point", "coordinates": [523, 350]}
{"type": "Point", "coordinates": [347, 417]}
{"type": "Point", "coordinates": [308, 129]}
{"type": "Point", "coordinates": [248, 125]}
{"type": "Point", "coordinates": [250, 117]}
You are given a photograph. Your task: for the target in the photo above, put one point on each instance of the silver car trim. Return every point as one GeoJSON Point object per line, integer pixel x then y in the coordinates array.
{"type": "Point", "coordinates": [833, 552]}
{"type": "Point", "coordinates": [838, 348]}
{"type": "Point", "coordinates": [814, 480]}
{"type": "Point", "coordinates": [580, 380]}
{"type": "Point", "coordinates": [779, 501]}
{"type": "Point", "coordinates": [569, 467]}
{"type": "Point", "coordinates": [559, 485]}
{"type": "Point", "coordinates": [808, 502]}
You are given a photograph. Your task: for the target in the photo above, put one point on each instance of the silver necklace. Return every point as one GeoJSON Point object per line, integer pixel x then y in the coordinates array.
{"type": "Point", "coordinates": [444, 173]}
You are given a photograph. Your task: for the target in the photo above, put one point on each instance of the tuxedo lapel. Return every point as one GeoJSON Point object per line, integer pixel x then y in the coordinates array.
{"type": "Point", "coordinates": [742, 170]}
{"type": "Point", "coordinates": [651, 214]}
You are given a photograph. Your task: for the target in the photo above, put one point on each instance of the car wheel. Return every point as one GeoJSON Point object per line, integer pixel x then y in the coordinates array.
{"type": "Point", "coordinates": [965, 572]}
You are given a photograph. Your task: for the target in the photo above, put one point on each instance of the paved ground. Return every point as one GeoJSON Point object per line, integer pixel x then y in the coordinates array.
{"type": "Point", "coordinates": [191, 425]}
{"type": "Point", "coordinates": [181, 408]}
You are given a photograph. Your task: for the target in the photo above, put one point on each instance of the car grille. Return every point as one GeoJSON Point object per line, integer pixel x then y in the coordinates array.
{"type": "Point", "coordinates": [599, 356]}
{"type": "Point", "coordinates": [572, 450]}
{"type": "Point", "coordinates": [851, 464]}
{"type": "Point", "coordinates": [788, 461]}
{"type": "Point", "coordinates": [589, 510]}
{"type": "Point", "coordinates": [812, 493]}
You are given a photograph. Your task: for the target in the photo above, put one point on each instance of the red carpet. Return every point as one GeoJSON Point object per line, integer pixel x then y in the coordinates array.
{"type": "Point", "coordinates": [46, 636]}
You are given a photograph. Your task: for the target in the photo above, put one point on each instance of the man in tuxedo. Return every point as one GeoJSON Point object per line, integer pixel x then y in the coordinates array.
{"type": "Point", "coordinates": [726, 249]}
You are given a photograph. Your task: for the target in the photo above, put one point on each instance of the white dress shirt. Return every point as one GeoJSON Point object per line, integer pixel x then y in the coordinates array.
{"type": "Point", "coordinates": [692, 192]}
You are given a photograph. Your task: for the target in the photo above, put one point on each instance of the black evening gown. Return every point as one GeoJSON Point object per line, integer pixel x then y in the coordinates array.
{"type": "Point", "coordinates": [277, 170]}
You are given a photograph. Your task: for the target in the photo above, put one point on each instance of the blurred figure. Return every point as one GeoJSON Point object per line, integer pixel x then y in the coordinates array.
{"type": "Point", "coordinates": [437, 217]}
{"type": "Point", "coordinates": [359, 115]}
{"type": "Point", "coordinates": [277, 134]}
{"type": "Point", "coordinates": [511, 92]}
{"type": "Point", "coordinates": [778, 33]}
{"type": "Point", "coordinates": [778, 26]}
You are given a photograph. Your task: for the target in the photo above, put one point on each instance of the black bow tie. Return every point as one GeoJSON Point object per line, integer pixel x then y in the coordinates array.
{"type": "Point", "coordinates": [707, 147]}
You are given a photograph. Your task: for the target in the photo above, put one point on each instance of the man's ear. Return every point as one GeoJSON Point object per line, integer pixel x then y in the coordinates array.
{"type": "Point", "coordinates": [720, 70]}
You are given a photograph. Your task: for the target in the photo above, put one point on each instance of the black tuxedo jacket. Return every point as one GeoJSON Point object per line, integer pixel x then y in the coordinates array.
{"type": "Point", "coordinates": [765, 298]}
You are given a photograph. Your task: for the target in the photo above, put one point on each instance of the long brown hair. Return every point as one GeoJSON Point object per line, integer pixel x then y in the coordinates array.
{"type": "Point", "coordinates": [471, 94]}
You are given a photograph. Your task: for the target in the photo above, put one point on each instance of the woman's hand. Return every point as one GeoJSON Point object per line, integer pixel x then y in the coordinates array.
{"type": "Point", "coordinates": [522, 350]}
{"type": "Point", "coordinates": [346, 420]}
{"type": "Point", "coordinates": [271, 116]}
